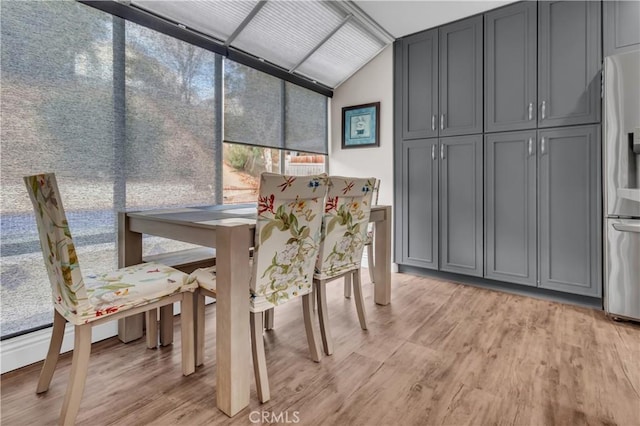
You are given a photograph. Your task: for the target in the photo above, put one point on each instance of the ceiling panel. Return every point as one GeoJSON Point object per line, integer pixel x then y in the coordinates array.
{"type": "Point", "coordinates": [401, 18]}
{"type": "Point", "coordinates": [284, 32]}
{"type": "Point", "coordinates": [215, 18]}
{"type": "Point", "coordinates": [344, 53]}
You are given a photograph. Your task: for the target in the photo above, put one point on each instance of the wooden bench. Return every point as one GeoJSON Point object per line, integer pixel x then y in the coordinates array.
{"type": "Point", "coordinates": [186, 261]}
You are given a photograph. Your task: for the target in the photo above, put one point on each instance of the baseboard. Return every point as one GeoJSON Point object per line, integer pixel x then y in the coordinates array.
{"type": "Point", "coordinates": [30, 348]}
{"type": "Point", "coordinates": [539, 293]}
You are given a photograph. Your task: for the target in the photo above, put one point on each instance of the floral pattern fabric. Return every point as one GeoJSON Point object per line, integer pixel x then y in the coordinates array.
{"type": "Point", "coordinates": [84, 299]}
{"type": "Point", "coordinates": [344, 226]}
{"type": "Point", "coordinates": [287, 237]}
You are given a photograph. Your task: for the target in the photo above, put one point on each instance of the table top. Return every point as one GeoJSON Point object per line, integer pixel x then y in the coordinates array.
{"type": "Point", "coordinates": [224, 214]}
{"type": "Point", "coordinates": [205, 215]}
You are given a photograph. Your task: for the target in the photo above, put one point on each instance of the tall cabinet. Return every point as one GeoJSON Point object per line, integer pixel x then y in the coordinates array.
{"type": "Point", "coordinates": [569, 202]}
{"type": "Point", "coordinates": [620, 26]}
{"type": "Point", "coordinates": [569, 62]}
{"type": "Point", "coordinates": [510, 101]}
{"type": "Point", "coordinates": [461, 77]}
{"type": "Point", "coordinates": [418, 228]}
{"type": "Point", "coordinates": [510, 198]}
{"type": "Point", "coordinates": [461, 204]}
{"type": "Point", "coordinates": [497, 164]}
{"type": "Point", "coordinates": [439, 168]}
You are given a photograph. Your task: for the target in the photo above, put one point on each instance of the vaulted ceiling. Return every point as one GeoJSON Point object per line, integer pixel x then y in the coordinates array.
{"type": "Point", "coordinates": [323, 41]}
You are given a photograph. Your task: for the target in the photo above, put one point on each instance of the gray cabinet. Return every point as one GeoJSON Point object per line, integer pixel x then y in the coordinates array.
{"type": "Point", "coordinates": [520, 203]}
{"type": "Point", "coordinates": [621, 30]}
{"type": "Point", "coordinates": [461, 205]}
{"type": "Point", "coordinates": [569, 210]}
{"type": "Point", "coordinates": [510, 68]}
{"type": "Point", "coordinates": [420, 85]}
{"type": "Point", "coordinates": [510, 207]}
{"type": "Point", "coordinates": [569, 62]}
{"type": "Point", "coordinates": [461, 77]}
{"type": "Point", "coordinates": [419, 216]}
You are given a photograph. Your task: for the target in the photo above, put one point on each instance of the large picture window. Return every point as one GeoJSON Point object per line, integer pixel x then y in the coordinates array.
{"type": "Point", "coordinates": [128, 118]}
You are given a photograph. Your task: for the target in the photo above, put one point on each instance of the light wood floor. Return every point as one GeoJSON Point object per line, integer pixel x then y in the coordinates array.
{"type": "Point", "coordinates": [441, 353]}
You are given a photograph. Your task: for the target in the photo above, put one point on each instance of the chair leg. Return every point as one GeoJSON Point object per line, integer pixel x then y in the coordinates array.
{"type": "Point", "coordinates": [199, 318]}
{"type": "Point", "coordinates": [259, 358]}
{"type": "Point", "coordinates": [268, 319]}
{"type": "Point", "coordinates": [49, 366]}
{"type": "Point", "coordinates": [357, 293]}
{"type": "Point", "coordinates": [186, 333]}
{"type": "Point", "coordinates": [166, 325]}
{"type": "Point", "coordinates": [347, 286]}
{"type": "Point", "coordinates": [151, 321]}
{"type": "Point", "coordinates": [312, 337]}
{"type": "Point", "coordinates": [370, 261]}
{"type": "Point", "coordinates": [325, 329]}
{"type": "Point", "coordinates": [78, 377]}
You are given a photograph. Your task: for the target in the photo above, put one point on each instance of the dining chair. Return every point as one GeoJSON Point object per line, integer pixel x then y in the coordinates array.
{"type": "Point", "coordinates": [87, 300]}
{"type": "Point", "coordinates": [368, 244]}
{"type": "Point", "coordinates": [287, 238]}
{"type": "Point", "coordinates": [344, 234]}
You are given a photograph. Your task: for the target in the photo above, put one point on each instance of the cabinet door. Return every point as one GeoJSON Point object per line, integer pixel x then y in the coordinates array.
{"type": "Point", "coordinates": [569, 62]}
{"type": "Point", "coordinates": [510, 68]}
{"type": "Point", "coordinates": [569, 214]}
{"type": "Point", "coordinates": [621, 26]}
{"type": "Point", "coordinates": [461, 204]}
{"type": "Point", "coordinates": [420, 203]}
{"type": "Point", "coordinates": [420, 85]}
{"type": "Point", "coordinates": [510, 207]}
{"type": "Point", "coordinates": [461, 77]}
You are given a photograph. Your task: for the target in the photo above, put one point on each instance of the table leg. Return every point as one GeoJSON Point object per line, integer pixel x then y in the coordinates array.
{"type": "Point", "coordinates": [129, 253]}
{"type": "Point", "coordinates": [382, 263]}
{"type": "Point", "coordinates": [232, 318]}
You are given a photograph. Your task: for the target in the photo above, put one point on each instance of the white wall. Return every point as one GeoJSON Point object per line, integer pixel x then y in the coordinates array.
{"type": "Point", "coordinates": [372, 83]}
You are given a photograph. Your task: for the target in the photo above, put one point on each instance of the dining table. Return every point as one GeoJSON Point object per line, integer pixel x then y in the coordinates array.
{"type": "Point", "coordinates": [230, 230]}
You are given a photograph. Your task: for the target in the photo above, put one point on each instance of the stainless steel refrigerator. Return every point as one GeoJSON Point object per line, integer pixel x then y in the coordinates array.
{"type": "Point", "coordinates": [621, 171]}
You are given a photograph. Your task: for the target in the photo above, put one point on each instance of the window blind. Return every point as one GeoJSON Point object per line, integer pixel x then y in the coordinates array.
{"type": "Point", "coordinates": [265, 111]}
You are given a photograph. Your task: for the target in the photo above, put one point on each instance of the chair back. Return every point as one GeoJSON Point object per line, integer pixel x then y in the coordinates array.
{"type": "Point", "coordinates": [287, 237]}
{"type": "Point", "coordinates": [344, 225]}
{"type": "Point", "coordinates": [67, 286]}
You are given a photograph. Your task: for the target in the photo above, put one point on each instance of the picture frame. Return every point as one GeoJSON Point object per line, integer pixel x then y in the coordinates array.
{"type": "Point", "coordinates": [361, 126]}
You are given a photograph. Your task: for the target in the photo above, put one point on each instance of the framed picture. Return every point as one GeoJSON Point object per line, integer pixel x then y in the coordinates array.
{"type": "Point", "coordinates": [361, 126]}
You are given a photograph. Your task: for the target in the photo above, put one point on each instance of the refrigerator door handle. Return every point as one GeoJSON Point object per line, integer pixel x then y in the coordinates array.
{"type": "Point", "coordinates": [626, 227]}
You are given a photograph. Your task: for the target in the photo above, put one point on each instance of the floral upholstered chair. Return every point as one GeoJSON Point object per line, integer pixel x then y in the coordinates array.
{"type": "Point", "coordinates": [368, 243]}
{"type": "Point", "coordinates": [92, 299]}
{"type": "Point", "coordinates": [287, 238]}
{"type": "Point", "coordinates": [344, 234]}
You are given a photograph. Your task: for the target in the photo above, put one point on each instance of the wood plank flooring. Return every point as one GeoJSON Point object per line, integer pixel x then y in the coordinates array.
{"type": "Point", "coordinates": [441, 353]}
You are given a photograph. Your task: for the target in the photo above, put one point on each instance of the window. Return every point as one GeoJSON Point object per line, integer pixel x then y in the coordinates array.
{"type": "Point", "coordinates": [242, 167]}
{"type": "Point", "coordinates": [264, 117]}
{"type": "Point", "coordinates": [128, 118]}
{"type": "Point", "coordinates": [57, 98]}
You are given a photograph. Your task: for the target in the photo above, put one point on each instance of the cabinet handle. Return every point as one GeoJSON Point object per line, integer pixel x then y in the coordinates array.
{"type": "Point", "coordinates": [433, 152]}
{"type": "Point", "coordinates": [542, 146]}
{"type": "Point", "coordinates": [530, 146]}
{"type": "Point", "coordinates": [530, 110]}
{"type": "Point", "coordinates": [442, 152]}
{"type": "Point", "coordinates": [441, 121]}
{"type": "Point", "coordinates": [433, 122]}
{"type": "Point", "coordinates": [544, 109]}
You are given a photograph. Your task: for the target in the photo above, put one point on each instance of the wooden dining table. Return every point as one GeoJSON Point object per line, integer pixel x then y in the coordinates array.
{"type": "Point", "coordinates": [230, 230]}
